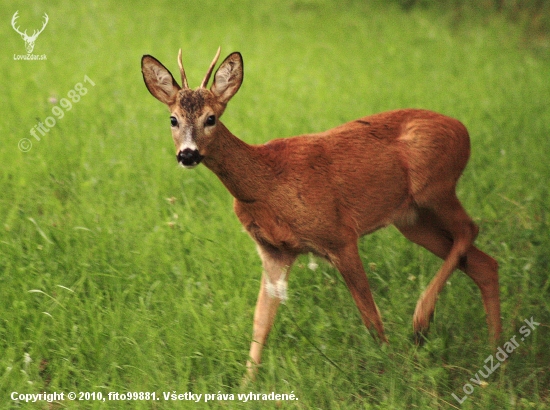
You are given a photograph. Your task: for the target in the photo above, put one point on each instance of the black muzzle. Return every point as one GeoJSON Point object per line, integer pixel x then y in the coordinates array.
{"type": "Point", "coordinates": [189, 157]}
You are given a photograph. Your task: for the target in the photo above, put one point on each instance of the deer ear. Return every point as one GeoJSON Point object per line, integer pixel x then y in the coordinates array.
{"type": "Point", "coordinates": [159, 80]}
{"type": "Point", "coordinates": [228, 78]}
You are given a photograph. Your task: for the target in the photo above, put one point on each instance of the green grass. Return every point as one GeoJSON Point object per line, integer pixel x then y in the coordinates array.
{"type": "Point", "coordinates": [119, 271]}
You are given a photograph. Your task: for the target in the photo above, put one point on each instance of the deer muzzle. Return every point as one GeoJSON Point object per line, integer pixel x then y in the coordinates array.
{"type": "Point", "coordinates": [189, 158]}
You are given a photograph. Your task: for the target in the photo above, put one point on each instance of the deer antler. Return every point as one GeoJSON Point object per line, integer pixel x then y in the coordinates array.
{"type": "Point", "coordinates": [14, 18]}
{"type": "Point", "coordinates": [209, 72]}
{"type": "Point", "coordinates": [37, 32]}
{"type": "Point", "coordinates": [184, 84]}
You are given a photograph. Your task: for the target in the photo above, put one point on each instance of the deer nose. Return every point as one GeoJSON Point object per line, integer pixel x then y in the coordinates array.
{"type": "Point", "coordinates": [189, 157]}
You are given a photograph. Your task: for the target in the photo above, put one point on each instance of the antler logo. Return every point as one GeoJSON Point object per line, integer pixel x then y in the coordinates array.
{"type": "Point", "coordinates": [29, 40]}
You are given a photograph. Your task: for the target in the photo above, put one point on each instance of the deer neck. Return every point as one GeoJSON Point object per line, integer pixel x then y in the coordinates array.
{"type": "Point", "coordinates": [239, 166]}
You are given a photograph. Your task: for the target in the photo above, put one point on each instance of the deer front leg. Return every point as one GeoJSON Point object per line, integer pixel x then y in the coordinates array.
{"type": "Point", "coordinates": [348, 262]}
{"type": "Point", "coordinates": [276, 265]}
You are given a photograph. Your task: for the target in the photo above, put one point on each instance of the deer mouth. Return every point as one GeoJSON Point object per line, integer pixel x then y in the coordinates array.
{"type": "Point", "coordinates": [189, 158]}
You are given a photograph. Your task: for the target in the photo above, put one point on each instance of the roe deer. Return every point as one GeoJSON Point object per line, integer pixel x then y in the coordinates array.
{"type": "Point", "coordinates": [321, 192]}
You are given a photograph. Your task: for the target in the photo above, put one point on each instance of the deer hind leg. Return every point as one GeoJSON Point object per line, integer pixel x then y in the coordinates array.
{"type": "Point", "coordinates": [276, 265]}
{"type": "Point", "coordinates": [484, 272]}
{"type": "Point", "coordinates": [348, 262]}
{"type": "Point", "coordinates": [433, 233]}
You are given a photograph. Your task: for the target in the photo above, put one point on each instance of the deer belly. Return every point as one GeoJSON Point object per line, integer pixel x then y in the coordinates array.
{"type": "Point", "coordinates": [296, 233]}
{"type": "Point", "coordinates": [272, 232]}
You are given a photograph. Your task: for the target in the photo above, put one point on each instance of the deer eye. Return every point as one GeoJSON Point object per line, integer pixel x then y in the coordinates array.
{"type": "Point", "coordinates": [210, 120]}
{"type": "Point", "coordinates": [173, 121]}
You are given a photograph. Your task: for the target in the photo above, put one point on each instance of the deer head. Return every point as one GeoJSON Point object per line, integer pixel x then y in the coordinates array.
{"type": "Point", "coordinates": [29, 40]}
{"type": "Point", "coordinates": [194, 114]}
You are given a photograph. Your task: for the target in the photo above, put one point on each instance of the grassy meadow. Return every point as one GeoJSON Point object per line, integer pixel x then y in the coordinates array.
{"type": "Point", "coordinates": [122, 272]}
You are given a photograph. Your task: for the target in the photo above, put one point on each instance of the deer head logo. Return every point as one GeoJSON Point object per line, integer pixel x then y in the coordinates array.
{"type": "Point", "coordinates": [29, 40]}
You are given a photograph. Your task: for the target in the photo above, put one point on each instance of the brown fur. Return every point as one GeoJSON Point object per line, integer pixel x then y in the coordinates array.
{"type": "Point", "coordinates": [321, 192]}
